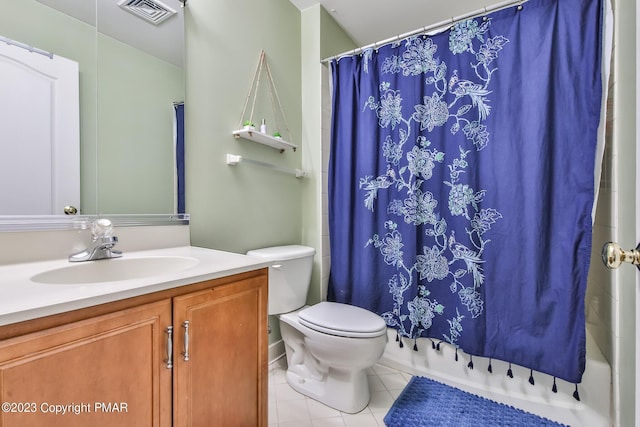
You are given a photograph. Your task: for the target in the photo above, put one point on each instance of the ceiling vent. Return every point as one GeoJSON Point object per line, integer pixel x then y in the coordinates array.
{"type": "Point", "coordinates": [150, 10]}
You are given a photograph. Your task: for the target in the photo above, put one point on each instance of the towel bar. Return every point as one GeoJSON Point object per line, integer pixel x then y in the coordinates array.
{"type": "Point", "coordinates": [234, 159]}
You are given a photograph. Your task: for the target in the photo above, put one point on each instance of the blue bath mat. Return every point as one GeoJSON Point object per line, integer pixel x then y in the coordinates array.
{"type": "Point", "coordinates": [425, 402]}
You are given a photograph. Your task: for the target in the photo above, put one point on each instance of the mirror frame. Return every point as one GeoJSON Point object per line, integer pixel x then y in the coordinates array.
{"type": "Point", "coordinates": [82, 222]}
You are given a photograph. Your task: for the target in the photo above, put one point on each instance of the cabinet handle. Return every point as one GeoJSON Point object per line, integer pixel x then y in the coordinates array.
{"type": "Point", "coordinates": [169, 360]}
{"type": "Point", "coordinates": [185, 353]}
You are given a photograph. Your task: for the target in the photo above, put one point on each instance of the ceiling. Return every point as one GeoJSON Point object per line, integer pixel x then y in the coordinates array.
{"type": "Point", "coordinates": [365, 21]}
{"type": "Point", "coordinates": [372, 21]}
{"type": "Point", "coordinates": [164, 40]}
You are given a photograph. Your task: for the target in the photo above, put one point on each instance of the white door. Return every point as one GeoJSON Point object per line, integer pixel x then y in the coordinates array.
{"type": "Point", "coordinates": [39, 133]}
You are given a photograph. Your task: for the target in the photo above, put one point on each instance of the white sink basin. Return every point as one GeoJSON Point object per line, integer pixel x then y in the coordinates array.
{"type": "Point", "coordinates": [113, 270]}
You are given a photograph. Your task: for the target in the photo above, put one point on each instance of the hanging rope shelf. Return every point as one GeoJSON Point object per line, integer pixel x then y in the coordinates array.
{"type": "Point", "coordinates": [247, 129]}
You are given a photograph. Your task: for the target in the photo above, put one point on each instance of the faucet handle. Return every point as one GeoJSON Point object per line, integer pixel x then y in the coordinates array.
{"type": "Point", "coordinates": [101, 228]}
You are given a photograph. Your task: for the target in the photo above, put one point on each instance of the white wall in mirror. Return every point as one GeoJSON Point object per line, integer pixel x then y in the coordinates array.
{"type": "Point", "coordinates": [114, 19]}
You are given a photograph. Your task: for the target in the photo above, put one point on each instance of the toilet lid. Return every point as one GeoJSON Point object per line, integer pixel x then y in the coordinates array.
{"type": "Point", "coordinates": [342, 320]}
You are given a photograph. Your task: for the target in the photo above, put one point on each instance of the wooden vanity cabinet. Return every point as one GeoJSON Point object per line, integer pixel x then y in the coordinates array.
{"type": "Point", "coordinates": [222, 382]}
{"type": "Point", "coordinates": [111, 368]}
{"type": "Point", "coordinates": [112, 359]}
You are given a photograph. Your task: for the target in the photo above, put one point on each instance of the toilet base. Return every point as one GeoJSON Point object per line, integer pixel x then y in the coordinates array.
{"type": "Point", "coordinates": [346, 391]}
{"type": "Point", "coordinates": [329, 368]}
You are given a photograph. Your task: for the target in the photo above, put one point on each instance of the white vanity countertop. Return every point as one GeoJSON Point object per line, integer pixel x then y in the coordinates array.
{"type": "Point", "coordinates": [22, 298]}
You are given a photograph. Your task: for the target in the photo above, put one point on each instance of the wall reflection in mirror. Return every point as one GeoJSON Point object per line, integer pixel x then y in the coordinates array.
{"type": "Point", "coordinates": [129, 57]}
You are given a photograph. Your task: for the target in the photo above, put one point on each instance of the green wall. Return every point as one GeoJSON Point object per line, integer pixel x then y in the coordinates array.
{"type": "Point", "coordinates": [321, 37]}
{"type": "Point", "coordinates": [243, 207]}
{"type": "Point", "coordinates": [238, 208]}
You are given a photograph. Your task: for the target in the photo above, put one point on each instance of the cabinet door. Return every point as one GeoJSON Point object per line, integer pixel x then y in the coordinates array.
{"type": "Point", "coordinates": [224, 380]}
{"type": "Point", "coordinates": [104, 371]}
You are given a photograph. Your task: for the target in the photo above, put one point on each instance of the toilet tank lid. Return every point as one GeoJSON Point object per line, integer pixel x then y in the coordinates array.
{"type": "Point", "coordinates": [283, 253]}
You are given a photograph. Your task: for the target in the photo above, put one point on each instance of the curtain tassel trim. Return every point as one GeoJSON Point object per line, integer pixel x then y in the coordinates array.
{"type": "Point", "coordinates": [399, 340]}
{"type": "Point", "coordinates": [436, 346]}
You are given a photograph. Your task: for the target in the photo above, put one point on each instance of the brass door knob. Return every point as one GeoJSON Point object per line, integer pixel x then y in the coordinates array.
{"type": "Point", "coordinates": [614, 256]}
{"type": "Point", "coordinates": [70, 210]}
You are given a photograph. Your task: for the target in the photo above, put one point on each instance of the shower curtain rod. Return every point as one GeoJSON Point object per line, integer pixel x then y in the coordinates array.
{"type": "Point", "coordinates": [432, 28]}
{"type": "Point", "coordinates": [26, 46]}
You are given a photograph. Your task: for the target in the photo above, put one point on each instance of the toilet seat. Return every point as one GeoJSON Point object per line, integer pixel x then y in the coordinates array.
{"type": "Point", "coordinates": [342, 320]}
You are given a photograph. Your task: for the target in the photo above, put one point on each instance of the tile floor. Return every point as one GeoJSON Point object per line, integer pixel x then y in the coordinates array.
{"type": "Point", "coordinates": [288, 408]}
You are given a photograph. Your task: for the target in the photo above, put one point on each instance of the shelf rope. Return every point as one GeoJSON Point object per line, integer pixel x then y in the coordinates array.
{"type": "Point", "coordinates": [276, 105]}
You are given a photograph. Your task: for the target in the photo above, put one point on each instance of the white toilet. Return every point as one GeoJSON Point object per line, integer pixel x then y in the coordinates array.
{"type": "Point", "coordinates": [329, 346]}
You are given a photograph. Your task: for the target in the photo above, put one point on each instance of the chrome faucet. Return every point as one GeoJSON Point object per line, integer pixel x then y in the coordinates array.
{"type": "Point", "coordinates": [102, 243]}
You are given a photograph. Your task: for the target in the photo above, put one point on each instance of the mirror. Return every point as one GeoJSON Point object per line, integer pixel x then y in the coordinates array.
{"type": "Point", "coordinates": [130, 76]}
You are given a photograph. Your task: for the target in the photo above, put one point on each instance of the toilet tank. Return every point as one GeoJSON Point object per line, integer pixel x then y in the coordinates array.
{"type": "Point", "coordinates": [289, 275]}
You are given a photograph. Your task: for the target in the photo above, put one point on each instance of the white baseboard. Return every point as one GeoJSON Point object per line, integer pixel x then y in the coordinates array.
{"type": "Point", "coordinates": [276, 351]}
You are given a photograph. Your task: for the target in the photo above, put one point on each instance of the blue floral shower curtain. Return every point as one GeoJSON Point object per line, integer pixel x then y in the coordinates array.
{"type": "Point", "coordinates": [461, 183]}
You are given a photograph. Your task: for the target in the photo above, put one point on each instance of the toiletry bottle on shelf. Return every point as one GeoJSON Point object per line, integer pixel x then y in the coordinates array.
{"type": "Point", "coordinates": [263, 126]}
